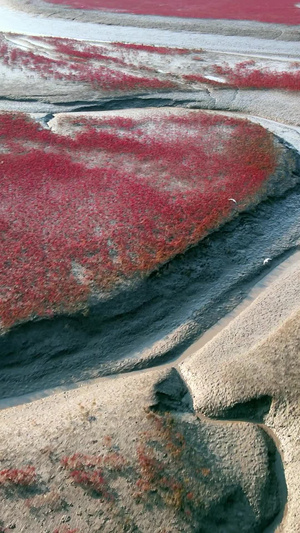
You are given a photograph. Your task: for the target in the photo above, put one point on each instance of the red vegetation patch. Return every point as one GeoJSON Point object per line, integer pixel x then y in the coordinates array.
{"type": "Point", "coordinates": [243, 76]}
{"type": "Point", "coordinates": [123, 67]}
{"type": "Point", "coordinates": [103, 68]}
{"type": "Point", "coordinates": [84, 214]}
{"type": "Point", "coordinates": [18, 476]}
{"type": "Point", "coordinates": [162, 50]}
{"type": "Point", "coordinates": [85, 470]}
{"type": "Point", "coordinates": [169, 467]}
{"type": "Point", "coordinates": [111, 460]}
{"type": "Point", "coordinates": [93, 480]}
{"type": "Point", "coordinates": [278, 11]}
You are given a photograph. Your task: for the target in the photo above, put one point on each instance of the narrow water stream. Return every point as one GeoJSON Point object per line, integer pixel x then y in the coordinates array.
{"type": "Point", "coordinates": [264, 282]}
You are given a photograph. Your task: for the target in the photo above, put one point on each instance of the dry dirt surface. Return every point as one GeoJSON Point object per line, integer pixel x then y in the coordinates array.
{"type": "Point", "coordinates": [114, 456]}
{"type": "Point", "coordinates": [149, 180]}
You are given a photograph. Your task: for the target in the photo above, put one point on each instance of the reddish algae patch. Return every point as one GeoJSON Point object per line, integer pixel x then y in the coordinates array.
{"type": "Point", "coordinates": [277, 11]}
{"type": "Point", "coordinates": [115, 198]}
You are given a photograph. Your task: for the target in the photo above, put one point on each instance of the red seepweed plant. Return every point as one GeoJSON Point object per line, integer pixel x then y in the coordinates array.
{"type": "Point", "coordinates": [98, 66]}
{"type": "Point", "coordinates": [244, 76]}
{"type": "Point", "coordinates": [112, 201]}
{"type": "Point", "coordinates": [94, 479]}
{"type": "Point", "coordinates": [276, 11]}
{"type": "Point", "coordinates": [162, 50]}
{"type": "Point", "coordinates": [169, 466]}
{"type": "Point", "coordinates": [89, 471]}
{"type": "Point", "coordinates": [24, 477]}
{"type": "Point", "coordinates": [124, 67]}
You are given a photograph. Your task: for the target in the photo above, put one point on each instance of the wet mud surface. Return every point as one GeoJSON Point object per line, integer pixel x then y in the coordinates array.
{"type": "Point", "coordinates": [246, 28]}
{"type": "Point", "coordinates": [157, 320]}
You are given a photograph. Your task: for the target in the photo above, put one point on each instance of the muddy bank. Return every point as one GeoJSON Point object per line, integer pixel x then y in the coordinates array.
{"type": "Point", "coordinates": [254, 102]}
{"type": "Point", "coordinates": [285, 267]}
{"type": "Point", "coordinates": [11, 20]}
{"type": "Point", "coordinates": [71, 422]}
{"type": "Point", "coordinates": [162, 316]}
{"type": "Point", "coordinates": [283, 32]}
{"type": "Point", "coordinates": [251, 370]}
